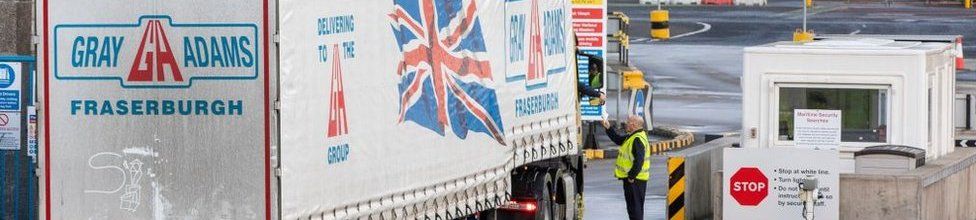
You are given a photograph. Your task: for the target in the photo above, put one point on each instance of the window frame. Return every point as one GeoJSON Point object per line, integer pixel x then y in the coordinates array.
{"type": "Point", "coordinates": [844, 146]}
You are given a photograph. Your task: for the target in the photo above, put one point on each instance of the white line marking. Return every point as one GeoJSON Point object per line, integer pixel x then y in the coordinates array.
{"type": "Point", "coordinates": [705, 27]}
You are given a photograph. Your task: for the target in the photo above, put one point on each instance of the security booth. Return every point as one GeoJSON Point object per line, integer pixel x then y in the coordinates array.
{"type": "Point", "coordinates": [888, 93]}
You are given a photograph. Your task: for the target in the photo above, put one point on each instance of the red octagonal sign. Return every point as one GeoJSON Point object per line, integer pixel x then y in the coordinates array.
{"type": "Point", "coordinates": [749, 186]}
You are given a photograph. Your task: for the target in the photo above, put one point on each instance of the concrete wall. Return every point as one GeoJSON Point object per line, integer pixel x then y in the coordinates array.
{"type": "Point", "coordinates": [16, 27]}
{"type": "Point", "coordinates": [942, 189]}
{"type": "Point", "coordinates": [700, 162]}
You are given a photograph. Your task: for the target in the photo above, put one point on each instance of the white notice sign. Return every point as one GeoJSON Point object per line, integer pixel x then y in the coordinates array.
{"type": "Point", "coordinates": [763, 183]}
{"type": "Point", "coordinates": [9, 131]}
{"type": "Point", "coordinates": [818, 129]}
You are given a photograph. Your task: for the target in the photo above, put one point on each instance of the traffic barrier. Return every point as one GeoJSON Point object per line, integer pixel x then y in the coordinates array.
{"type": "Point", "coordinates": [618, 24]}
{"type": "Point", "coordinates": [672, 2]}
{"type": "Point", "coordinates": [659, 25]}
{"type": "Point", "coordinates": [655, 2]}
{"type": "Point", "coordinates": [965, 143]}
{"type": "Point", "coordinates": [596, 154]}
{"type": "Point", "coordinates": [749, 2]}
{"type": "Point", "coordinates": [684, 2]}
{"type": "Point", "coordinates": [678, 139]}
{"type": "Point", "coordinates": [716, 2]}
{"type": "Point", "coordinates": [960, 62]}
{"type": "Point", "coordinates": [676, 188]}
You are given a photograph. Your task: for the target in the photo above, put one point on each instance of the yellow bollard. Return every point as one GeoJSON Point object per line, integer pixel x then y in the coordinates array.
{"type": "Point", "coordinates": [801, 36]}
{"type": "Point", "coordinates": [659, 24]}
{"type": "Point", "coordinates": [809, 3]}
{"type": "Point", "coordinates": [634, 79]}
{"type": "Point", "coordinates": [968, 3]}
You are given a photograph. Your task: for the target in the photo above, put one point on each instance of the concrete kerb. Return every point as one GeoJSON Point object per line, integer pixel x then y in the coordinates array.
{"type": "Point", "coordinates": [676, 139]}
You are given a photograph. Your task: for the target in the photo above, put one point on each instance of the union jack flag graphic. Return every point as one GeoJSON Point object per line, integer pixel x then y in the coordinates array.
{"type": "Point", "coordinates": [445, 75]}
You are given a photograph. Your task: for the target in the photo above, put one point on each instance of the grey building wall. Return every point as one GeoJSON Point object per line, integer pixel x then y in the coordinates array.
{"type": "Point", "coordinates": [16, 23]}
{"type": "Point", "coordinates": [18, 183]}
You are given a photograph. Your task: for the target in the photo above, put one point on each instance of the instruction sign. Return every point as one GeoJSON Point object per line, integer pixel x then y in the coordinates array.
{"type": "Point", "coordinates": [32, 133]}
{"type": "Point", "coordinates": [817, 129]}
{"type": "Point", "coordinates": [9, 131]}
{"type": "Point", "coordinates": [763, 183]}
{"type": "Point", "coordinates": [10, 75]}
{"type": "Point", "coordinates": [589, 20]}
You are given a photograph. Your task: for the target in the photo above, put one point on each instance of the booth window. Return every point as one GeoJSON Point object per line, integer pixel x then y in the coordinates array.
{"type": "Point", "coordinates": [863, 111]}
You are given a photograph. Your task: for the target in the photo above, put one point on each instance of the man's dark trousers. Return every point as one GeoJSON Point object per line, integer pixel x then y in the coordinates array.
{"type": "Point", "coordinates": [634, 194]}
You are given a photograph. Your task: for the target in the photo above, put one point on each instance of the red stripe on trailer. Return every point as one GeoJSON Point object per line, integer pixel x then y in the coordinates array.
{"type": "Point", "coordinates": [267, 111]}
{"type": "Point", "coordinates": [47, 119]}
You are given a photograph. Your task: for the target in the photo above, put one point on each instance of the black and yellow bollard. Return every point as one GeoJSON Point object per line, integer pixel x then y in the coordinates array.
{"type": "Point", "coordinates": [659, 25]}
{"type": "Point", "coordinates": [676, 188]}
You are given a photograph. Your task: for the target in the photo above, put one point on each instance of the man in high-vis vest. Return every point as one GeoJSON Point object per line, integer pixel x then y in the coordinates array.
{"type": "Point", "coordinates": [633, 163]}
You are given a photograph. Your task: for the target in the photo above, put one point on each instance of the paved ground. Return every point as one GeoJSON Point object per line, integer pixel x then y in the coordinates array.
{"type": "Point", "coordinates": [696, 76]}
{"type": "Point", "coordinates": [604, 195]}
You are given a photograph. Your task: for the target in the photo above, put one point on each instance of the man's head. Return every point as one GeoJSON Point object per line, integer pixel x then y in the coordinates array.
{"type": "Point", "coordinates": [634, 123]}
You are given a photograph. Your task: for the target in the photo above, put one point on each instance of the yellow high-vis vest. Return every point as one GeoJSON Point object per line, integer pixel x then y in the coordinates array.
{"type": "Point", "coordinates": [625, 158]}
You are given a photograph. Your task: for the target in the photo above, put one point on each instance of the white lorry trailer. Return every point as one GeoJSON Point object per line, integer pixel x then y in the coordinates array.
{"type": "Point", "coordinates": [339, 109]}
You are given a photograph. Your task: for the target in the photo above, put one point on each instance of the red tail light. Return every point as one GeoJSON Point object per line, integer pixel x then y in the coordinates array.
{"type": "Point", "coordinates": [520, 205]}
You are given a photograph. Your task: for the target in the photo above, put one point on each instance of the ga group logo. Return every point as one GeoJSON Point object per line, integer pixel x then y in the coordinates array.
{"type": "Point", "coordinates": [156, 52]}
{"type": "Point", "coordinates": [337, 99]}
{"type": "Point", "coordinates": [536, 42]}
{"type": "Point", "coordinates": [445, 78]}
{"type": "Point", "coordinates": [338, 126]}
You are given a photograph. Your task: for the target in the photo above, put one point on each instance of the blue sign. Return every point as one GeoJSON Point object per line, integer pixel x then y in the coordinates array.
{"type": "Point", "coordinates": [7, 76]}
{"type": "Point", "coordinates": [9, 87]}
{"type": "Point", "coordinates": [639, 103]}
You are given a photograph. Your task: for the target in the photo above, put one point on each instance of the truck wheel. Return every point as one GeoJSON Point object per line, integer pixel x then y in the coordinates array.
{"type": "Point", "coordinates": [568, 200]}
{"type": "Point", "coordinates": [543, 198]}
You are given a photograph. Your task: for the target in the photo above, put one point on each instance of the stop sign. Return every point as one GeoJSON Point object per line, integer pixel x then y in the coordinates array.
{"type": "Point", "coordinates": [749, 186]}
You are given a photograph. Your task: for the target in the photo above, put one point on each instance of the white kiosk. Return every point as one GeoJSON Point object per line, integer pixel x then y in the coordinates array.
{"type": "Point", "coordinates": [889, 92]}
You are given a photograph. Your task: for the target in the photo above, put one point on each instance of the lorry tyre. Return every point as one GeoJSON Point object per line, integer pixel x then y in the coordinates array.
{"type": "Point", "coordinates": [567, 199]}
{"type": "Point", "coordinates": [544, 199]}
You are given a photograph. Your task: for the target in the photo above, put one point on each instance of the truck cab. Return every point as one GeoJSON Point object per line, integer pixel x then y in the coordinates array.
{"type": "Point", "coordinates": [889, 92]}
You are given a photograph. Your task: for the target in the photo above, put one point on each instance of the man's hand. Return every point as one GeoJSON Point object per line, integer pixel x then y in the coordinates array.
{"type": "Point", "coordinates": [603, 98]}
{"type": "Point", "coordinates": [629, 180]}
{"type": "Point", "coordinates": [605, 123]}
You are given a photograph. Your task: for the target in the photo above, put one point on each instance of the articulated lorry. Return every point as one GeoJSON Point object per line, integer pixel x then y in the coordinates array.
{"type": "Point", "coordinates": [338, 109]}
